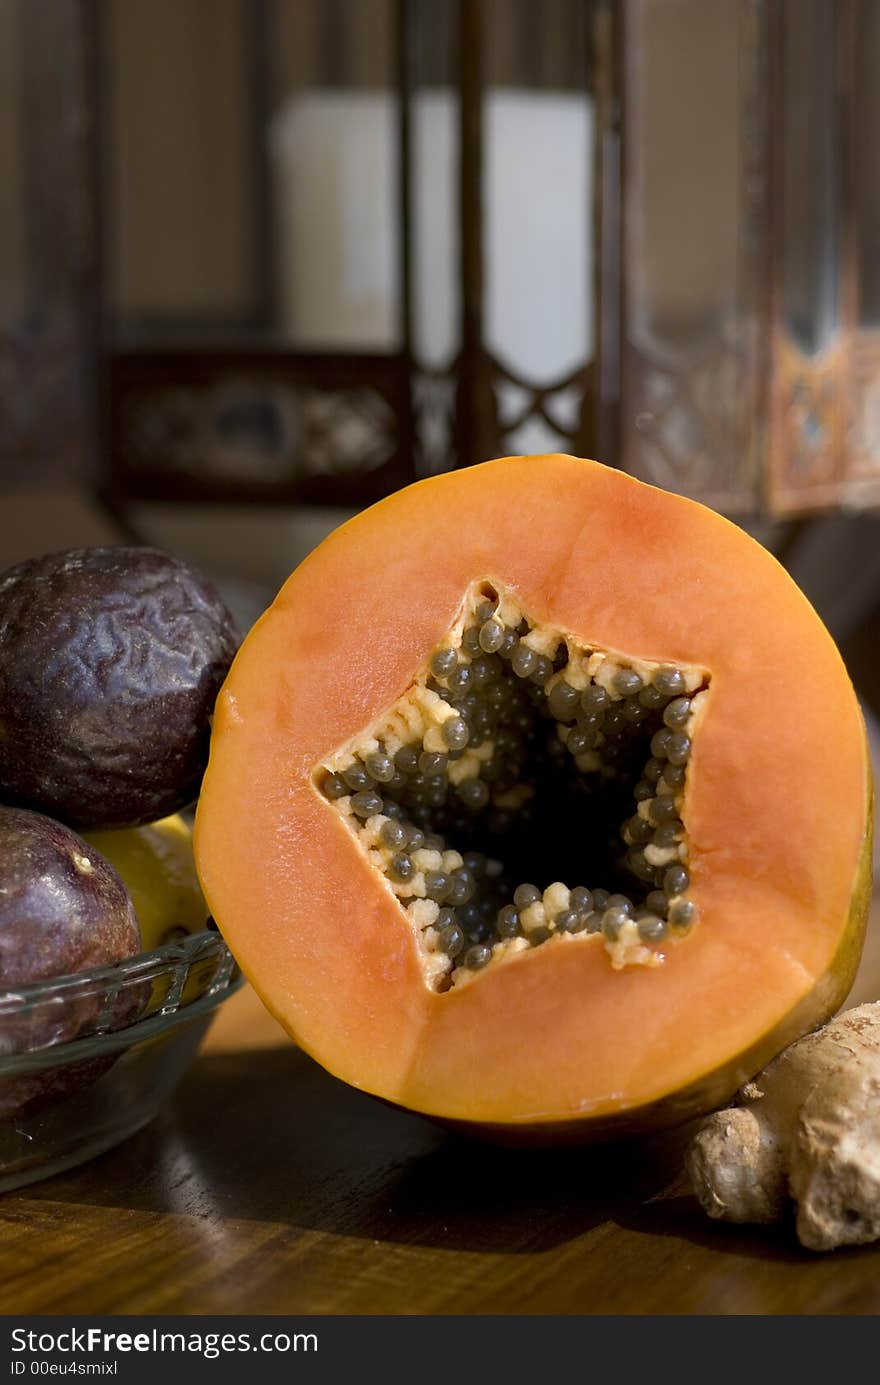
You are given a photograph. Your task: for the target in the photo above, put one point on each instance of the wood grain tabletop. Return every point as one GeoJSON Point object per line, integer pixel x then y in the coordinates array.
{"type": "Point", "coordinates": [266, 1186]}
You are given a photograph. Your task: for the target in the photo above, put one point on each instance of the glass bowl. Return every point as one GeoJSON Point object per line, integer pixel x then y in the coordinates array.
{"type": "Point", "coordinates": [87, 1059]}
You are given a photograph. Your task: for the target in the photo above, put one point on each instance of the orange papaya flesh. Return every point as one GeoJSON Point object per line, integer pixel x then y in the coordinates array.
{"type": "Point", "coordinates": [554, 1042]}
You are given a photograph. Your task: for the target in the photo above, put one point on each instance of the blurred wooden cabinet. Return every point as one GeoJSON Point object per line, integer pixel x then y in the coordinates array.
{"type": "Point", "coordinates": [49, 268]}
{"type": "Point", "coordinates": [304, 252]}
{"type": "Point", "coordinates": [750, 360]}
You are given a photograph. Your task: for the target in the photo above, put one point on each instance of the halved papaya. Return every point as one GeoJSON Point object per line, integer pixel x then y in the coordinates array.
{"type": "Point", "coordinates": [539, 802]}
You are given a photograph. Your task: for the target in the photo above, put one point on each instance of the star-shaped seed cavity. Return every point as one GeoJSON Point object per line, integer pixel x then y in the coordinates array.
{"type": "Point", "coordinates": [528, 790]}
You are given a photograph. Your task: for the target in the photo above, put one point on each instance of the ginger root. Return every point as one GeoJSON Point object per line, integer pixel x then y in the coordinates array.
{"type": "Point", "coordinates": [807, 1131]}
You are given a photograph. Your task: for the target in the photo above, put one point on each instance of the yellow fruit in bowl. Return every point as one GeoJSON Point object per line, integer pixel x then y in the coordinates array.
{"type": "Point", "coordinates": [156, 865]}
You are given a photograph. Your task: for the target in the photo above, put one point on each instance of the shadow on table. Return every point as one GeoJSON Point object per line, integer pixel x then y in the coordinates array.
{"type": "Point", "coordinates": [270, 1136]}
{"type": "Point", "coordinates": [680, 1217]}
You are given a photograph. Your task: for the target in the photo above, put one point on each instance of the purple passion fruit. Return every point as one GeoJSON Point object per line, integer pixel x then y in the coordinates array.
{"type": "Point", "coordinates": [63, 909]}
{"type": "Point", "coordinates": [110, 662]}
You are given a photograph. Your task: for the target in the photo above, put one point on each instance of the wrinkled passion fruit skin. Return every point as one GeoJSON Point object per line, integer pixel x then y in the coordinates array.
{"type": "Point", "coordinates": [110, 663]}
{"type": "Point", "coordinates": [63, 909]}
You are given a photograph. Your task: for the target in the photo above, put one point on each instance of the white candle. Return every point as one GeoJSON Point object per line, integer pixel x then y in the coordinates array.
{"type": "Point", "coordinates": [337, 231]}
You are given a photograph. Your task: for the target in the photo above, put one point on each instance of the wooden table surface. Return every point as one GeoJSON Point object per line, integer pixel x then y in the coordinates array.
{"type": "Point", "coordinates": [267, 1186]}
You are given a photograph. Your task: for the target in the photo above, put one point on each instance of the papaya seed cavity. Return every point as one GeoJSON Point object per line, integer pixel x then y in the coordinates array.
{"type": "Point", "coordinates": [519, 758]}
